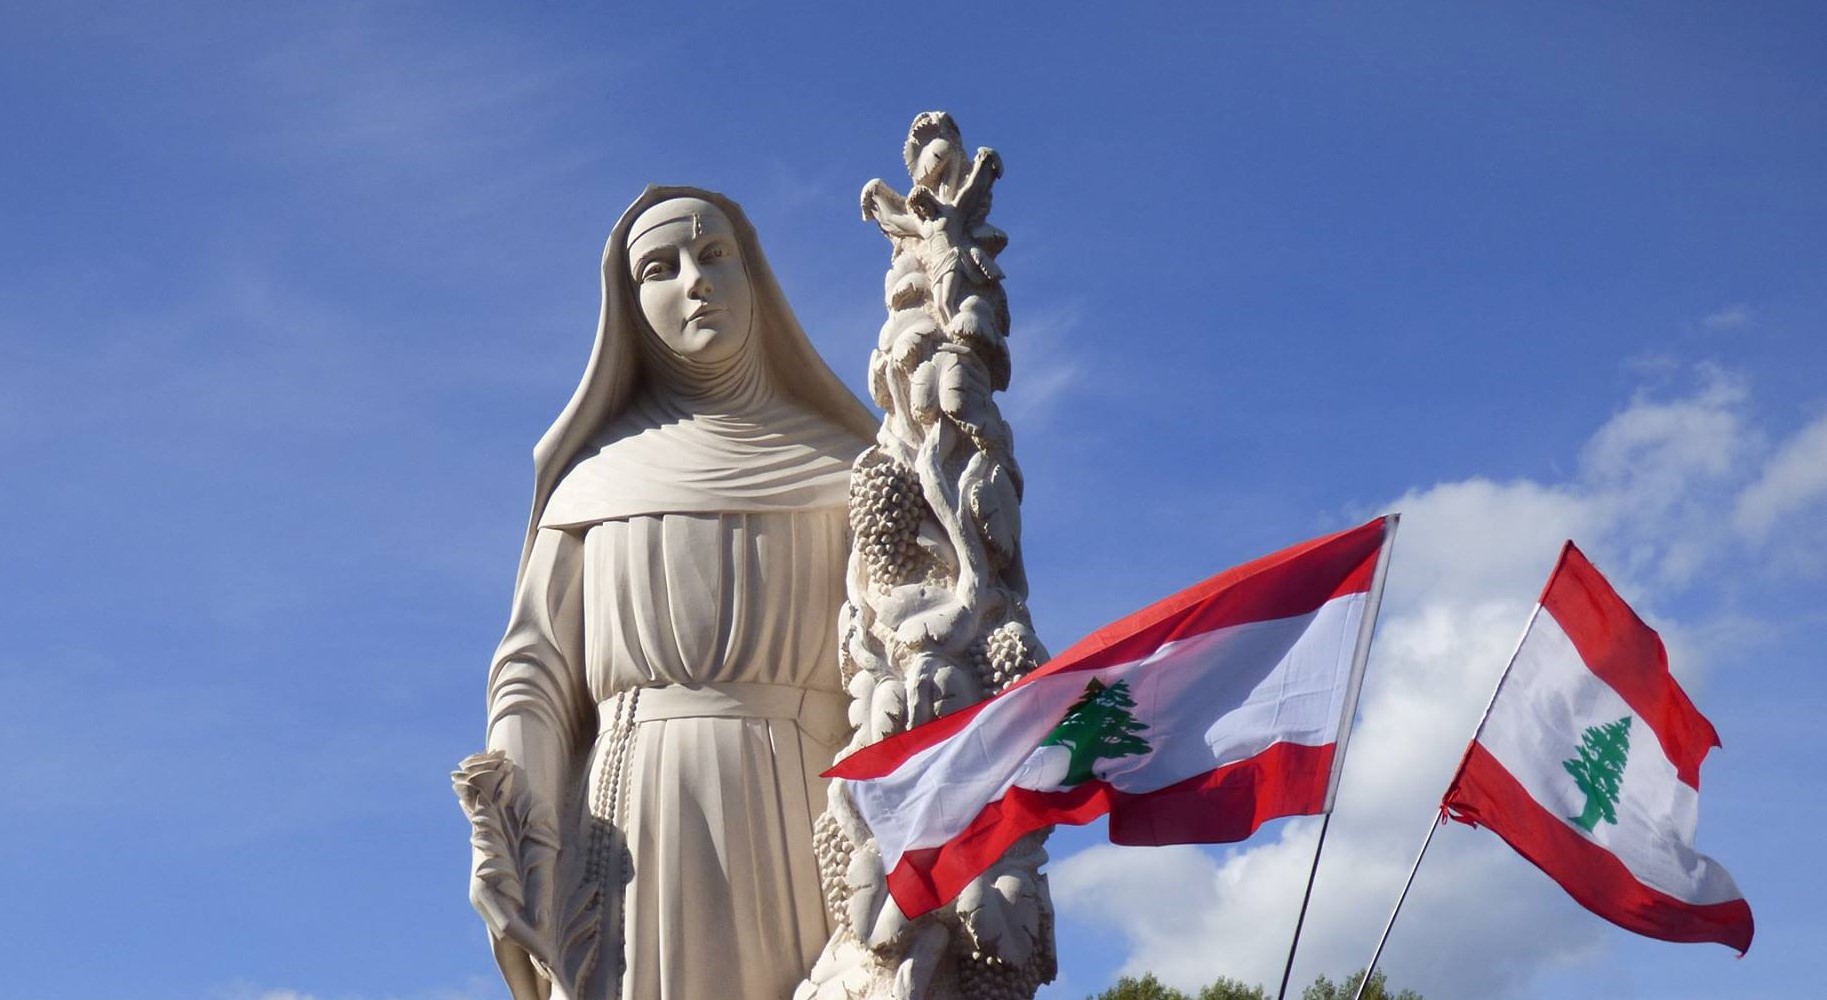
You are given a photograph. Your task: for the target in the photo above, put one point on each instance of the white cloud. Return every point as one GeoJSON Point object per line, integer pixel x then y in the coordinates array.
{"type": "Point", "coordinates": [1661, 444]}
{"type": "Point", "coordinates": [1732, 317]}
{"type": "Point", "coordinates": [1662, 473]}
{"type": "Point", "coordinates": [1794, 479]}
{"type": "Point", "coordinates": [1653, 503]}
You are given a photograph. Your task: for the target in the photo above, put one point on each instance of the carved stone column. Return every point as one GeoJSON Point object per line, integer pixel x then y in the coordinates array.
{"type": "Point", "coordinates": [936, 614]}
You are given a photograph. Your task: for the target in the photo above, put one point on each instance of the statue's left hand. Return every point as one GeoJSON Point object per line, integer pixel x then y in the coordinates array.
{"type": "Point", "coordinates": [513, 842]}
{"type": "Point", "coordinates": [504, 916]}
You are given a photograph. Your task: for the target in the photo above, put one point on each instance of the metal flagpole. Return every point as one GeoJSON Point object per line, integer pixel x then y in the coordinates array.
{"type": "Point", "coordinates": [1439, 818]}
{"type": "Point", "coordinates": [1433, 825]}
{"type": "Point", "coordinates": [1359, 656]}
{"type": "Point", "coordinates": [1288, 969]}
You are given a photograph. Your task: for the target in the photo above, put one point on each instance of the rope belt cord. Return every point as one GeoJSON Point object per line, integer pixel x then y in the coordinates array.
{"type": "Point", "coordinates": [823, 715]}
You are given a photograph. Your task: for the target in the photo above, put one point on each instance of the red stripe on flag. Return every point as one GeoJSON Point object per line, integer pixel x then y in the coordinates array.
{"type": "Point", "coordinates": [1285, 584]}
{"type": "Point", "coordinates": [1295, 581]}
{"type": "Point", "coordinates": [1488, 795]}
{"type": "Point", "coordinates": [1629, 657]}
{"type": "Point", "coordinates": [930, 877]}
{"type": "Point", "coordinates": [1221, 806]}
{"type": "Point", "coordinates": [1230, 803]}
{"type": "Point", "coordinates": [887, 755]}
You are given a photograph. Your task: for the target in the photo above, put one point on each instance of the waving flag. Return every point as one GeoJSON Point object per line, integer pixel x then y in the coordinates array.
{"type": "Point", "coordinates": [1194, 720]}
{"type": "Point", "coordinates": [1588, 764]}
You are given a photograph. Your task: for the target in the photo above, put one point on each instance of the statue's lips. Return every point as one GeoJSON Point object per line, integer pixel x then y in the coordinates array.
{"type": "Point", "coordinates": [703, 312]}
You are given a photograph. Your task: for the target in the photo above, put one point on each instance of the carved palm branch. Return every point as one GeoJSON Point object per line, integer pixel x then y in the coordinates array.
{"type": "Point", "coordinates": [515, 837]}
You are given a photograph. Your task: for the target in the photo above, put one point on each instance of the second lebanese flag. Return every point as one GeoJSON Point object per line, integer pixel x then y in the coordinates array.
{"type": "Point", "coordinates": [1194, 720]}
{"type": "Point", "coordinates": [1588, 764]}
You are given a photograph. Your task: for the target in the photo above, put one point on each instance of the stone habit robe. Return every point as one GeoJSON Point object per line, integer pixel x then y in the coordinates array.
{"type": "Point", "coordinates": [669, 675]}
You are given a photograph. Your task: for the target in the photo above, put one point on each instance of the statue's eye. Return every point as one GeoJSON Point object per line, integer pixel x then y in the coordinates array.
{"type": "Point", "coordinates": [714, 252]}
{"type": "Point", "coordinates": [655, 269]}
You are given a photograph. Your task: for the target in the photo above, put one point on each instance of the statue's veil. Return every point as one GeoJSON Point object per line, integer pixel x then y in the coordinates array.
{"type": "Point", "coordinates": [610, 377]}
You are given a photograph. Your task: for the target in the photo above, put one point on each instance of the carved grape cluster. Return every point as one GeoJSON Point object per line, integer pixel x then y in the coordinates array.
{"type": "Point", "coordinates": [985, 977]}
{"type": "Point", "coordinates": [1009, 654]}
{"type": "Point", "coordinates": [833, 849]}
{"type": "Point", "coordinates": [885, 513]}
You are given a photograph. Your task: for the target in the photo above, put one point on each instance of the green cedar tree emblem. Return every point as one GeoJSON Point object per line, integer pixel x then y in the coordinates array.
{"type": "Point", "coordinates": [1097, 727]}
{"type": "Point", "coordinates": [1599, 771]}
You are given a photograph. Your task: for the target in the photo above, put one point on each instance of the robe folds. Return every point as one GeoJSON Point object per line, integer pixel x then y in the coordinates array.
{"type": "Point", "coordinates": [671, 681]}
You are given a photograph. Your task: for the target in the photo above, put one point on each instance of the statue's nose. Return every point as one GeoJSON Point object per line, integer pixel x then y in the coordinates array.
{"type": "Point", "coordinates": [697, 283]}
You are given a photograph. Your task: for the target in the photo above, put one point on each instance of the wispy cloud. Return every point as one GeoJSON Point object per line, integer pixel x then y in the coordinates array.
{"type": "Point", "coordinates": [359, 96]}
{"type": "Point", "coordinates": [1047, 370]}
{"type": "Point", "coordinates": [233, 456]}
{"type": "Point", "coordinates": [1732, 317]}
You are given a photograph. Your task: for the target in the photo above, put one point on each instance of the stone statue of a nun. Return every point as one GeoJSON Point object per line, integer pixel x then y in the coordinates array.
{"type": "Point", "coordinates": [667, 692]}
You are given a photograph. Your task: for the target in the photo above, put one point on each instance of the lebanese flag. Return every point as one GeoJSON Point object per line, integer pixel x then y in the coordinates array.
{"type": "Point", "coordinates": [1194, 720]}
{"type": "Point", "coordinates": [1588, 764]}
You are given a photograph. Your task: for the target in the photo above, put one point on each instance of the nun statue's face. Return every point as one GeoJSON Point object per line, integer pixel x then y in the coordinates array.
{"type": "Point", "coordinates": [690, 280]}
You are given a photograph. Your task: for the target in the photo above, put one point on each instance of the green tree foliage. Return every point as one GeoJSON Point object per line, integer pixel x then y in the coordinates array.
{"type": "Point", "coordinates": [1150, 988]}
{"type": "Point", "coordinates": [1145, 988]}
{"type": "Point", "coordinates": [1322, 989]}
{"type": "Point", "coordinates": [1231, 989]}
{"type": "Point", "coordinates": [1098, 726]}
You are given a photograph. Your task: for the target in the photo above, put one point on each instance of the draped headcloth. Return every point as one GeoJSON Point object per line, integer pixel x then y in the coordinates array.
{"type": "Point", "coordinates": [618, 451]}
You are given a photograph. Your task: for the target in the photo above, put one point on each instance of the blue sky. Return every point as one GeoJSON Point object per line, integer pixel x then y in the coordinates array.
{"type": "Point", "coordinates": [288, 293]}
